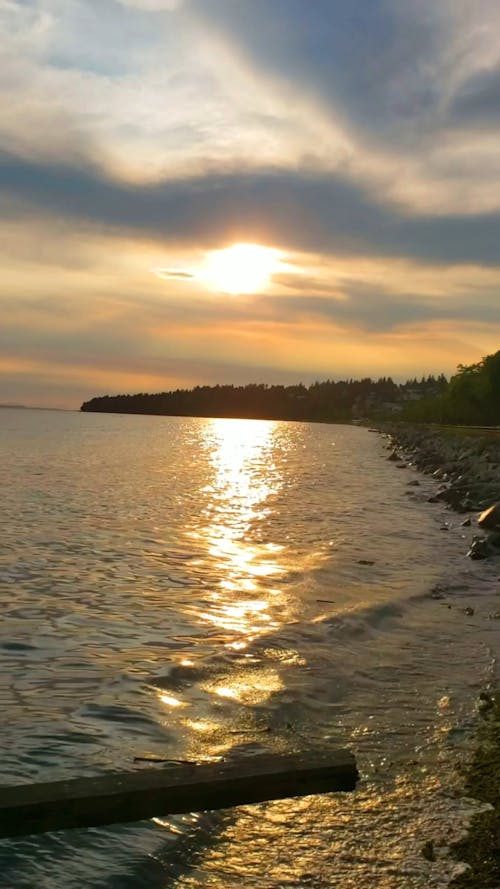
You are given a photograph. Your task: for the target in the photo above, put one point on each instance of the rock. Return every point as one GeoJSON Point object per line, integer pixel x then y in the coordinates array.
{"type": "Point", "coordinates": [452, 495]}
{"type": "Point", "coordinates": [479, 549]}
{"type": "Point", "coordinates": [490, 518]}
{"type": "Point", "coordinates": [486, 702]}
{"type": "Point", "coordinates": [428, 851]}
{"type": "Point", "coordinates": [468, 468]}
{"type": "Point", "coordinates": [469, 611]}
{"type": "Point", "coordinates": [495, 616]}
{"type": "Point", "coordinates": [365, 562]}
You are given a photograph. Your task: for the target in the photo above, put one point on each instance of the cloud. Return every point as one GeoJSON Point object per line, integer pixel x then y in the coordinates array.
{"type": "Point", "coordinates": [88, 341]}
{"type": "Point", "coordinates": [387, 66]}
{"type": "Point", "coordinates": [367, 308]}
{"type": "Point", "coordinates": [361, 90]}
{"type": "Point", "coordinates": [359, 138]}
{"type": "Point", "coordinates": [140, 92]}
{"type": "Point", "coordinates": [173, 274]}
{"type": "Point", "coordinates": [293, 209]}
{"type": "Point", "coordinates": [373, 60]}
{"type": "Point", "coordinates": [153, 5]}
{"type": "Point", "coordinates": [384, 74]}
{"type": "Point", "coordinates": [478, 100]}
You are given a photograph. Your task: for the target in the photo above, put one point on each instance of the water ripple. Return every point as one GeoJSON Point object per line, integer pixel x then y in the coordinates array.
{"type": "Point", "coordinates": [214, 588]}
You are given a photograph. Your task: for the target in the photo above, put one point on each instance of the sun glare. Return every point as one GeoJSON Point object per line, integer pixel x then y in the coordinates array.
{"type": "Point", "coordinates": [242, 268]}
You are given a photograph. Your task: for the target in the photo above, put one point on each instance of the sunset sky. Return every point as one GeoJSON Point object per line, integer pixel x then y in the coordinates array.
{"type": "Point", "coordinates": [357, 140]}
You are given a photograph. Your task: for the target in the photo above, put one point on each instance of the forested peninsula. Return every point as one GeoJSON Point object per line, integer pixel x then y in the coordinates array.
{"type": "Point", "coordinates": [472, 396]}
{"type": "Point", "coordinates": [323, 401]}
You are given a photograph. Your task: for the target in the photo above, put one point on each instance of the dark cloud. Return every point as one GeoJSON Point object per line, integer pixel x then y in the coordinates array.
{"type": "Point", "coordinates": [352, 304]}
{"type": "Point", "coordinates": [375, 310]}
{"type": "Point", "coordinates": [374, 61]}
{"type": "Point", "coordinates": [293, 209]}
{"type": "Point", "coordinates": [478, 100]}
{"type": "Point", "coordinates": [303, 283]}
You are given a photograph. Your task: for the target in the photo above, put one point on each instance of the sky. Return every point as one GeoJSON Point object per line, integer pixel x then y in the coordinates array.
{"type": "Point", "coordinates": [353, 143]}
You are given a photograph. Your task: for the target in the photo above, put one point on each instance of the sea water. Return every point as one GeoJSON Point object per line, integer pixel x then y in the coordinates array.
{"type": "Point", "coordinates": [209, 589]}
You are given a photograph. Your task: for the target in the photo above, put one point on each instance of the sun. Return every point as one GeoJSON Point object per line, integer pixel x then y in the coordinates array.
{"type": "Point", "coordinates": [242, 268]}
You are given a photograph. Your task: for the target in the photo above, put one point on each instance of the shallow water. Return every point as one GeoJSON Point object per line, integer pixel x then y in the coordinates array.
{"type": "Point", "coordinates": [198, 588]}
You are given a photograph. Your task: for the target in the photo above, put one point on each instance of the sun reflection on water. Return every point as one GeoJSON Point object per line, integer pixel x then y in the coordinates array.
{"type": "Point", "coordinates": [253, 688]}
{"type": "Point", "coordinates": [244, 480]}
{"type": "Point", "coordinates": [171, 701]}
{"type": "Point", "coordinates": [239, 591]}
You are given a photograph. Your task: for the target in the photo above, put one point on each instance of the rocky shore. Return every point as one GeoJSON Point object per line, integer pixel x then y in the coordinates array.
{"type": "Point", "coordinates": [480, 849]}
{"type": "Point", "coordinates": [467, 463]}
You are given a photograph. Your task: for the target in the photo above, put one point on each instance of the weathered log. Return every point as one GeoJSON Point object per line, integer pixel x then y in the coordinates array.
{"type": "Point", "coordinates": [114, 798]}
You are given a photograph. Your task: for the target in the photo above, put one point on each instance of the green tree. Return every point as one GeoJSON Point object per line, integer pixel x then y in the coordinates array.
{"type": "Point", "coordinates": [473, 395]}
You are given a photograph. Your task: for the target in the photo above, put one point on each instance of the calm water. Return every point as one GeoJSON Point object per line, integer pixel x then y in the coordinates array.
{"type": "Point", "coordinates": [196, 589]}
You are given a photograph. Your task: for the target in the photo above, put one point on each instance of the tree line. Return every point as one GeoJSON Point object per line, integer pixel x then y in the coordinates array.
{"type": "Point", "coordinates": [328, 401]}
{"type": "Point", "coordinates": [470, 397]}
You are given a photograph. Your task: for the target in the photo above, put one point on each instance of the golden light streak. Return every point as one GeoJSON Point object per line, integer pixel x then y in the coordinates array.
{"type": "Point", "coordinates": [170, 701]}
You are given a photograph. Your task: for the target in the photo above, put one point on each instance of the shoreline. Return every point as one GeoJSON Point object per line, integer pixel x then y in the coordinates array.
{"type": "Point", "coordinates": [468, 465]}
{"type": "Point", "coordinates": [480, 848]}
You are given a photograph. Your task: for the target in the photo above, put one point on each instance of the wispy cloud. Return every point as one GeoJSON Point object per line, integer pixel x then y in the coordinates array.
{"type": "Point", "coordinates": [172, 274]}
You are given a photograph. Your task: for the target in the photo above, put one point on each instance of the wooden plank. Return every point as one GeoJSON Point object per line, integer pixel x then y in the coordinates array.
{"type": "Point", "coordinates": [114, 798]}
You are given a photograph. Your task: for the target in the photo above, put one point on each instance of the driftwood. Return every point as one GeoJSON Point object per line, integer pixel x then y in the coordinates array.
{"type": "Point", "coordinates": [115, 798]}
